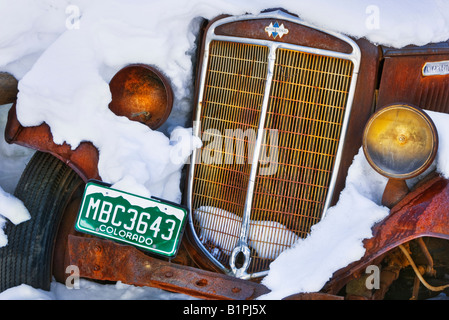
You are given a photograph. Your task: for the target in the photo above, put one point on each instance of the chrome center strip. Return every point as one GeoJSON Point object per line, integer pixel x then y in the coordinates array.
{"type": "Point", "coordinates": [242, 245]}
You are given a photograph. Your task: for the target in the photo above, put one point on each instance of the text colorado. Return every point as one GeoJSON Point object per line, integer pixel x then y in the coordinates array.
{"type": "Point", "coordinates": [129, 223]}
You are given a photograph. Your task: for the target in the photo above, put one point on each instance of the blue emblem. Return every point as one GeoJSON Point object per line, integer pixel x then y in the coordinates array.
{"type": "Point", "coordinates": [276, 30]}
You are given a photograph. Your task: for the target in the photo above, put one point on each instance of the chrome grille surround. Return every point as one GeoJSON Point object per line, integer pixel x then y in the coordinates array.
{"type": "Point", "coordinates": [236, 237]}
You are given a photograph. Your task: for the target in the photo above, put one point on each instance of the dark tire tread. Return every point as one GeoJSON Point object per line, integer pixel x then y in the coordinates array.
{"type": "Point", "coordinates": [46, 186]}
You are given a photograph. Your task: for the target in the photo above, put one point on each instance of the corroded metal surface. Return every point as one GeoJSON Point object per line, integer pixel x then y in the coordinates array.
{"type": "Point", "coordinates": [394, 191]}
{"type": "Point", "coordinates": [297, 34]}
{"type": "Point", "coordinates": [403, 80]}
{"type": "Point", "coordinates": [106, 260]}
{"type": "Point", "coordinates": [313, 296]}
{"type": "Point", "coordinates": [8, 88]}
{"type": "Point", "coordinates": [142, 94]}
{"type": "Point", "coordinates": [83, 160]}
{"type": "Point", "coordinates": [422, 213]}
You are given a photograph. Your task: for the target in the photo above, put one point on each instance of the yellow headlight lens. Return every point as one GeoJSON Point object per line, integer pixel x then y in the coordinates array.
{"type": "Point", "coordinates": [400, 141]}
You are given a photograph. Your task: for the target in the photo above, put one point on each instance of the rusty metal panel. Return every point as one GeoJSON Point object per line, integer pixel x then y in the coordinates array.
{"type": "Point", "coordinates": [83, 160]}
{"type": "Point", "coordinates": [298, 34]}
{"type": "Point", "coordinates": [403, 81]}
{"type": "Point", "coordinates": [422, 213]}
{"type": "Point", "coordinates": [106, 260]}
{"type": "Point", "coordinates": [8, 88]}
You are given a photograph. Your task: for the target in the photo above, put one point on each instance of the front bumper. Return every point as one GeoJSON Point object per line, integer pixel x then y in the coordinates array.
{"type": "Point", "coordinates": [106, 260]}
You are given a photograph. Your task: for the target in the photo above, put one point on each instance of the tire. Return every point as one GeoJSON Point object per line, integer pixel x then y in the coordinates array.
{"type": "Point", "coordinates": [47, 187]}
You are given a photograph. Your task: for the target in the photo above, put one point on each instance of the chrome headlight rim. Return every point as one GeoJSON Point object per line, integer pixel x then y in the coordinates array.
{"type": "Point", "coordinates": [430, 127]}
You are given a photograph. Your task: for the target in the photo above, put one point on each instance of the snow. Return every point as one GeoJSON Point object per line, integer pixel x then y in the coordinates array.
{"type": "Point", "coordinates": [65, 52]}
{"type": "Point", "coordinates": [12, 159]}
{"type": "Point", "coordinates": [442, 159]}
{"type": "Point", "coordinates": [90, 291]}
{"type": "Point", "coordinates": [268, 238]}
{"type": "Point", "coordinates": [208, 219]}
{"type": "Point", "coordinates": [334, 242]}
{"type": "Point", "coordinates": [12, 209]}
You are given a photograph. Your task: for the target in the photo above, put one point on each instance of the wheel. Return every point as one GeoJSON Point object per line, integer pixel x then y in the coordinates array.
{"type": "Point", "coordinates": [51, 191]}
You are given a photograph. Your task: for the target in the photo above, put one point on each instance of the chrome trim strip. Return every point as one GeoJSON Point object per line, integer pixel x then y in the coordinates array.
{"type": "Point", "coordinates": [242, 245]}
{"type": "Point", "coordinates": [354, 57]}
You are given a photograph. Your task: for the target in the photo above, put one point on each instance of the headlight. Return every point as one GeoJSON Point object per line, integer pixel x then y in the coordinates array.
{"type": "Point", "coordinates": [400, 141]}
{"type": "Point", "coordinates": [141, 93]}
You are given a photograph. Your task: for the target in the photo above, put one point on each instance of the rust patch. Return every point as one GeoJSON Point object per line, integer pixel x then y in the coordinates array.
{"type": "Point", "coordinates": [105, 260]}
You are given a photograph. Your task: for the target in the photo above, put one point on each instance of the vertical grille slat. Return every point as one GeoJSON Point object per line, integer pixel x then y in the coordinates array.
{"type": "Point", "coordinates": [233, 95]}
{"type": "Point", "coordinates": [308, 124]}
{"type": "Point", "coordinates": [304, 120]}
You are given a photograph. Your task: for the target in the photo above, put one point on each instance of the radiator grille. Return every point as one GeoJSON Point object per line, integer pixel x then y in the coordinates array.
{"type": "Point", "coordinates": [303, 124]}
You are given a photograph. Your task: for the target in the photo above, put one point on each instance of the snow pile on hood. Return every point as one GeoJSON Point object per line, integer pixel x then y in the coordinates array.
{"type": "Point", "coordinates": [66, 52]}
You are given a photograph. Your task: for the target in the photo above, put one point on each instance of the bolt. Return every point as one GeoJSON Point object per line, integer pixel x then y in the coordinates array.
{"type": "Point", "coordinates": [236, 290]}
{"type": "Point", "coordinates": [201, 283]}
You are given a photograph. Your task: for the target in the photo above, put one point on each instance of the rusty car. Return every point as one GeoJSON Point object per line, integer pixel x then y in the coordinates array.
{"type": "Point", "coordinates": [326, 94]}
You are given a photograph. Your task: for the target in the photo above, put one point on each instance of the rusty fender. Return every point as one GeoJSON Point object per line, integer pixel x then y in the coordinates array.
{"type": "Point", "coordinates": [424, 212]}
{"type": "Point", "coordinates": [83, 160]}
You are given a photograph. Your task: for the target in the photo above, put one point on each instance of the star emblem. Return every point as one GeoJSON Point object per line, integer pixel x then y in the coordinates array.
{"type": "Point", "coordinates": [275, 30]}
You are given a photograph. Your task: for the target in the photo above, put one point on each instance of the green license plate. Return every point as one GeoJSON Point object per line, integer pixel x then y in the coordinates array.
{"type": "Point", "coordinates": [149, 224]}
